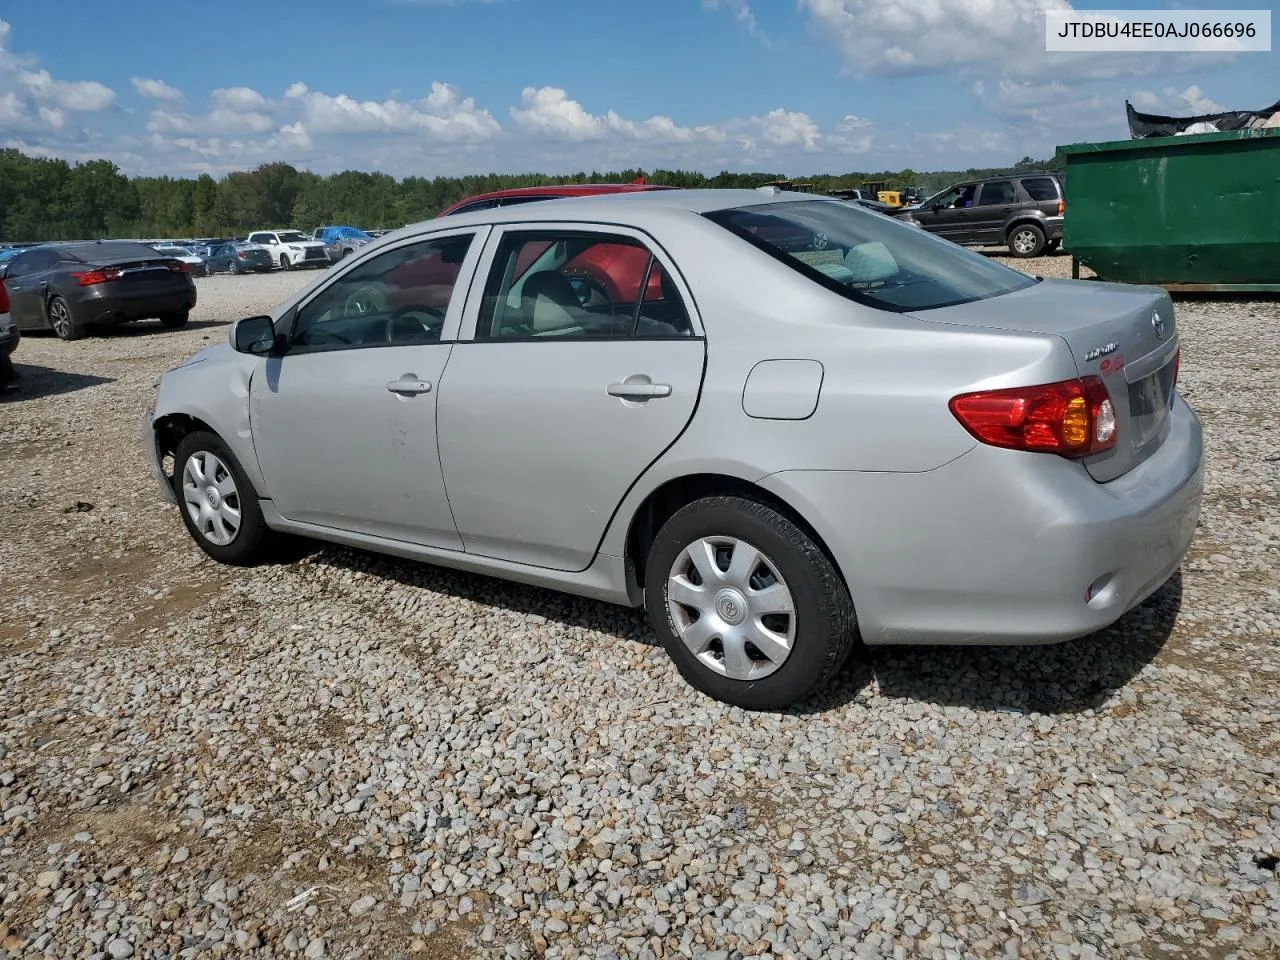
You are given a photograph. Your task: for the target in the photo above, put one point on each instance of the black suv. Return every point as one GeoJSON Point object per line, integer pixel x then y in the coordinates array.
{"type": "Point", "coordinates": [1023, 212]}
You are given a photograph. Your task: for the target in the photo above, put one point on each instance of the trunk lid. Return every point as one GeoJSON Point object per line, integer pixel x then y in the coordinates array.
{"type": "Point", "coordinates": [1127, 335]}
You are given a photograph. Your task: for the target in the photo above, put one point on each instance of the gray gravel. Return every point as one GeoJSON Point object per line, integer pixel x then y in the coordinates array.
{"type": "Point", "coordinates": [346, 755]}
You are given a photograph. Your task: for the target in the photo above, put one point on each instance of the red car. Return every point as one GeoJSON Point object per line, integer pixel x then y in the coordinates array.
{"type": "Point", "coordinates": [616, 269]}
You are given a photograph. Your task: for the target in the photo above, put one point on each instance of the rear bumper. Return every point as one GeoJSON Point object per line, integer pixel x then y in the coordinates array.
{"type": "Point", "coordinates": [1000, 547]}
{"type": "Point", "coordinates": [1053, 228]}
{"type": "Point", "coordinates": [148, 436]}
{"type": "Point", "coordinates": [103, 304]}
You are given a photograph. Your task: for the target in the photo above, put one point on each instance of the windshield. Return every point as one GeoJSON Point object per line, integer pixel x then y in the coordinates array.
{"type": "Point", "coordinates": [868, 257]}
{"type": "Point", "coordinates": [291, 236]}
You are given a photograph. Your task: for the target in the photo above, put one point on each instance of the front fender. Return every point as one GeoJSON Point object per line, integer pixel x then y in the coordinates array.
{"type": "Point", "coordinates": [216, 394]}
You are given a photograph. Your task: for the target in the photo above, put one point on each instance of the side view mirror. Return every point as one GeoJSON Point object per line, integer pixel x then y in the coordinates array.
{"type": "Point", "coordinates": [255, 335]}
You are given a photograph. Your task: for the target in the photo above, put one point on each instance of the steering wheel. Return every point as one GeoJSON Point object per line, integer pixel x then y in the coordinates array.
{"type": "Point", "coordinates": [428, 320]}
{"type": "Point", "coordinates": [370, 298]}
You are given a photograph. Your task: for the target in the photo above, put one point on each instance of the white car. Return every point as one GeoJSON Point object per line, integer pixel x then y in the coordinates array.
{"type": "Point", "coordinates": [291, 248]}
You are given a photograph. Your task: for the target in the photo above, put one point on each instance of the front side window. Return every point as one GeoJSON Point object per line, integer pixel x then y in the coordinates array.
{"type": "Point", "coordinates": [576, 285]}
{"type": "Point", "coordinates": [869, 258]}
{"type": "Point", "coordinates": [997, 191]}
{"type": "Point", "coordinates": [398, 297]}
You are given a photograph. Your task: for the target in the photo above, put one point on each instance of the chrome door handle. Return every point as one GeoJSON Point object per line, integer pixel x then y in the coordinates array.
{"type": "Point", "coordinates": [408, 386]}
{"type": "Point", "coordinates": [638, 389]}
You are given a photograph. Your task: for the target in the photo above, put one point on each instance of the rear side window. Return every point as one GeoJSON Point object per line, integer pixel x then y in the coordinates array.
{"type": "Point", "coordinates": [869, 258]}
{"type": "Point", "coordinates": [1040, 188]}
{"type": "Point", "coordinates": [997, 191]}
{"type": "Point", "coordinates": [564, 284]}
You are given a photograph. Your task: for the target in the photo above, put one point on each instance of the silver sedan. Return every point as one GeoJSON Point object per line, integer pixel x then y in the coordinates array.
{"type": "Point", "coordinates": [777, 422]}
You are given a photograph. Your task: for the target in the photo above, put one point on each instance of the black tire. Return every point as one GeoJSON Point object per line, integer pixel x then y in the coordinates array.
{"type": "Point", "coordinates": [252, 538]}
{"type": "Point", "coordinates": [175, 321]}
{"type": "Point", "coordinates": [1026, 240]}
{"type": "Point", "coordinates": [61, 321]}
{"type": "Point", "coordinates": [284, 262]}
{"type": "Point", "coordinates": [233, 268]}
{"type": "Point", "coordinates": [825, 626]}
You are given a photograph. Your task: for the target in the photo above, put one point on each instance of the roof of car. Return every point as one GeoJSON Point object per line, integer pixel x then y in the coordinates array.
{"type": "Point", "coordinates": [607, 207]}
{"type": "Point", "coordinates": [559, 190]}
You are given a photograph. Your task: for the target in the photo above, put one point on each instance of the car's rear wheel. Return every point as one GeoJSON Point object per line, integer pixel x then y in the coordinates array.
{"type": "Point", "coordinates": [1026, 240]}
{"type": "Point", "coordinates": [746, 603]}
{"type": "Point", "coordinates": [218, 503]}
{"type": "Point", "coordinates": [60, 319]}
{"type": "Point", "coordinates": [174, 321]}
{"type": "Point", "coordinates": [284, 262]}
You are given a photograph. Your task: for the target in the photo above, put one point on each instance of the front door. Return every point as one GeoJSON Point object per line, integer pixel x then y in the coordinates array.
{"type": "Point", "coordinates": [344, 423]}
{"type": "Point", "coordinates": [948, 215]}
{"type": "Point", "coordinates": [584, 366]}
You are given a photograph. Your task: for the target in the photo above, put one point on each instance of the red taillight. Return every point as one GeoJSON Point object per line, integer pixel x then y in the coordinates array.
{"type": "Point", "coordinates": [4, 298]}
{"type": "Point", "coordinates": [89, 278]}
{"type": "Point", "coordinates": [241, 256]}
{"type": "Point", "coordinates": [1062, 207]}
{"type": "Point", "coordinates": [1073, 418]}
{"type": "Point", "coordinates": [179, 266]}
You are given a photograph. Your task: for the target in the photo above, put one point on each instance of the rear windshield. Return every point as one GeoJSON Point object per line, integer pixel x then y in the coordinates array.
{"type": "Point", "coordinates": [868, 257]}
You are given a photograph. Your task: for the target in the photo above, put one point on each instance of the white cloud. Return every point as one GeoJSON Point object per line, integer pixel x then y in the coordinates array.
{"type": "Point", "coordinates": [156, 90]}
{"type": "Point", "coordinates": [238, 99]}
{"type": "Point", "coordinates": [743, 14]}
{"type": "Point", "coordinates": [442, 115]}
{"type": "Point", "coordinates": [917, 36]}
{"type": "Point", "coordinates": [84, 96]}
{"type": "Point", "coordinates": [549, 112]}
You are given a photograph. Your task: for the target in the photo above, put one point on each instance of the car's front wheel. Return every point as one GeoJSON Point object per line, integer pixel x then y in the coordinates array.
{"type": "Point", "coordinates": [284, 263]}
{"type": "Point", "coordinates": [218, 503]}
{"type": "Point", "coordinates": [746, 603]}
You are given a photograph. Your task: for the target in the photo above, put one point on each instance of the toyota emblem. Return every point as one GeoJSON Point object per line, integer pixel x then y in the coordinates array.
{"type": "Point", "coordinates": [1157, 324]}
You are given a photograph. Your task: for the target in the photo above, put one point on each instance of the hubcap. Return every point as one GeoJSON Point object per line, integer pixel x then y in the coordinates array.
{"type": "Point", "coordinates": [732, 609]}
{"type": "Point", "coordinates": [1024, 242]}
{"type": "Point", "coordinates": [210, 497]}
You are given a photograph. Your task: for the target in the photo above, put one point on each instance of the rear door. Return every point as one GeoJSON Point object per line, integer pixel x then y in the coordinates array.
{"type": "Point", "coordinates": [565, 385]}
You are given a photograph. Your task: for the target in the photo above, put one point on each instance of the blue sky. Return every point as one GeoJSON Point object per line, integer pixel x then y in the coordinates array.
{"type": "Point", "coordinates": [448, 87]}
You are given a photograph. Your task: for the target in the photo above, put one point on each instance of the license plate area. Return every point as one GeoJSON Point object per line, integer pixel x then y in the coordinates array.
{"type": "Point", "coordinates": [1150, 400]}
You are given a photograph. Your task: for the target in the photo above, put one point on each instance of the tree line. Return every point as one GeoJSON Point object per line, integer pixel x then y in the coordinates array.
{"type": "Point", "coordinates": [44, 198]}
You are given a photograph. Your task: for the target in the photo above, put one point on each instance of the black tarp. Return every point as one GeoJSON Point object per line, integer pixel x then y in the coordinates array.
{"type": "Point", "coordinates": [1143, 125]}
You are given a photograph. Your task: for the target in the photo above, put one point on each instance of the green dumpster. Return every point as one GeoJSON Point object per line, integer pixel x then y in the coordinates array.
{"type": "Point", "coordinates": [1198, 212]}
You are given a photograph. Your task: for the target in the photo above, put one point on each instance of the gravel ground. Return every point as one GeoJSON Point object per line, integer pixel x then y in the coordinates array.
{"type": "Point", "coordinates": [346, 755]}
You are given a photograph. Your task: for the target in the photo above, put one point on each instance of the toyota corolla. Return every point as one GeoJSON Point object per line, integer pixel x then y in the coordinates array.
{"type": "Point", "coordinates": [806, 423]}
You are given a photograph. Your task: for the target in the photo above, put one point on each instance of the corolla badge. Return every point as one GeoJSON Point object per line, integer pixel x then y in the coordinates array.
{"type": "Point", "coordinates": [1101, 351]}
{"type": "Point", "coordinates": [1158, 325]}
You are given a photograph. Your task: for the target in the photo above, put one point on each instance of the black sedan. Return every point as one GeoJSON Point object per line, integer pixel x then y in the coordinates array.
{"type": "Point", "coordinates": [68, 288]}
{"type": "Point", "coordinates": [240, 258]}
